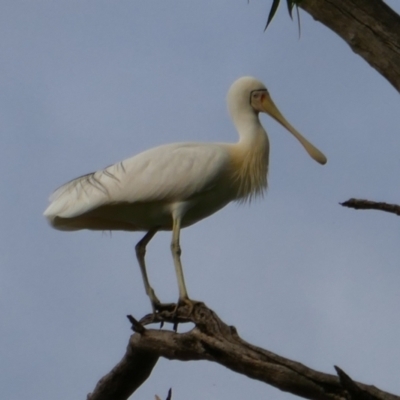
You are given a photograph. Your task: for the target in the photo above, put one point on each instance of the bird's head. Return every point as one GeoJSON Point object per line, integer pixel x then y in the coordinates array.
{"type": "Point", "coordinates": [249, 94]}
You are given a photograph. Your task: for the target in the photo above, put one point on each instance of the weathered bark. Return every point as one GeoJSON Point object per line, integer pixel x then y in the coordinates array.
{"type": "Point", "coordinates": [213, 340]}
{"type": "Point", "coordinates": [126, 377]}
{"type": "Point", "coordinates": [360, 204]}
{"type": "Point", "coordinates": [370, 27]}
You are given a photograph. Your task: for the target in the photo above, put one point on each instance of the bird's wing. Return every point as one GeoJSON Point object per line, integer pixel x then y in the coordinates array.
{"type": "Point", "coordinates": [166, 173]}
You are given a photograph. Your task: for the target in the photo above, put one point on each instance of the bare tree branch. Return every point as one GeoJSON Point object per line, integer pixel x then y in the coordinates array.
{"type": "Point", "coordinates": [370, 28]}
{"type": "Point", "coordinates": [213, 340]}
{"type": "Point", "coordinates": [360, 204]}
{"type": "Point", "coordinates": [128, 375]}
{"type": "Point", "coordinates": [355, 392]}
{"type": "Point", "coordinates": [169, 397]}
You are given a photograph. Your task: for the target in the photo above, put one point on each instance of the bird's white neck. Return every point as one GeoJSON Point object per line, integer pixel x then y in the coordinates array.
{"type": "Point", "coordinates": [251, 132]}
{"type": "Point", "coordinates": [251, 154]}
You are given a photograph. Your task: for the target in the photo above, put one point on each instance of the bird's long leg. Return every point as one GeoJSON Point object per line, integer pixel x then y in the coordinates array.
{"type": "Point", "coordinates": [176, 254]}
{"type": "Point", "coordinates": [140, 253]}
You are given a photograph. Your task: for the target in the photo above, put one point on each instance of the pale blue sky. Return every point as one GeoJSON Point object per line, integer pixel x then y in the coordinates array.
{"type": "Point", "coordinates": [88, 83]}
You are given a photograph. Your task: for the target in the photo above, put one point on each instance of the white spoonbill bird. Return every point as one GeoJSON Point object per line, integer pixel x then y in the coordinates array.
{"type": "Point", "coordinates": [175, 185]}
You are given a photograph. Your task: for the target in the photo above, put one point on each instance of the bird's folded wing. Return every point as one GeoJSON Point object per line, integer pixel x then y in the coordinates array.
{"type": "Point", "coordinates": [168, 173]}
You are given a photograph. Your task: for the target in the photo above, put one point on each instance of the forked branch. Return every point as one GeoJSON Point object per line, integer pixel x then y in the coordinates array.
{"type": "Point", "coordinates": [211, 339]}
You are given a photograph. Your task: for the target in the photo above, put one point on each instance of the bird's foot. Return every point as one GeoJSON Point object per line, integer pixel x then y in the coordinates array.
{"type": "Point", "coordinates": [156, 304]}
{"type": "Point", "coordinates": [161, 313]}
{"type": "Point", "coordinates": [160, 307]}
{"type": "Point", "coordinates": [175, 314]}
{"type": "Point", "coordinates": [185, 307]}
{"type": "Point", "coordinates": [183, 311]}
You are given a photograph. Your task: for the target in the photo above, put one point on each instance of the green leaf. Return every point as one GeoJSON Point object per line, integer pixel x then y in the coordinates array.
{"type": "Point", "coordinates": [272, 12]}
{"type": "Point", "coordinates": [298, 17]}
{"type": "Point", "coordinates": [290, 5]}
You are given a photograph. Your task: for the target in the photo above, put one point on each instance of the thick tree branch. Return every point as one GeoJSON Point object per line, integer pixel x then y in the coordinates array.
{"type": "Point", "coordinates": [213, 340]}
{"type": "Point", "coordinates": [126, 377]}
{"type": "Point", "coordinates": [360, 204]}
{"type": "Point", "coordinates": [370, 27]}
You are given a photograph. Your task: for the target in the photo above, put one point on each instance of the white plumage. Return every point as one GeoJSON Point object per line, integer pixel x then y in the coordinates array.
{"type": "Point", "coordinates": [143, 179]}
{"type": "Point", "coordinates": [173, 186]}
